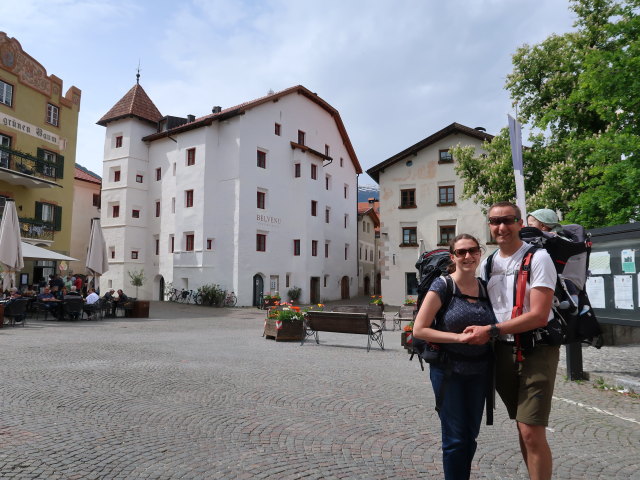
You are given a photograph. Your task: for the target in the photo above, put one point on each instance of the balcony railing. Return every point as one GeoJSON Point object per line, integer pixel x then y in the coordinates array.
{"type": "Point", "coordinates": [28, 164]}
{"type": "Point", "coordinates": [35, 229]}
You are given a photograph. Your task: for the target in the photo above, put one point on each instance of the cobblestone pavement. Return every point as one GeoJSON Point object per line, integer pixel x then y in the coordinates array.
{"type": "Point", "coordinates": [197, 393]}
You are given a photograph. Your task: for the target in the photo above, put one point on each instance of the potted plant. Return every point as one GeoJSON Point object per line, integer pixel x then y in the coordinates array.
{"type": "Point", "coordinates": [271, 300]}
{"type": "Point", "coordinates": [140, 308]}
{"type": "Point", "coordinates": [406, 337]}
{"type": "Point", "coordinates": [294, 293]}
{"type": "Point", "coordinates": [137, 279]}
{"type": "Point", "coordinates": [409, 301]}
{"type": "Point", "coordinates": [377, 300]}
{"type": "Point", "coordinates": [284, 322]}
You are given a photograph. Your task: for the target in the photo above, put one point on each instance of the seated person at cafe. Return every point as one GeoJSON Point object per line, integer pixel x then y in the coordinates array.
{"type": "Point", "coordinates": [73, 292]}
{"type": "Point", "coordinates": [90, 303]}
{"type": "Point", "coordinates": [72, 295]}
{"type": "Point", "coordinates": [92, 298]}
{"type": "Point", "coordinates": [49, 301]}
{"type": "Point", "coordinates": [119, 302]}
{"type": "Point", "coordinates": [13, 294]}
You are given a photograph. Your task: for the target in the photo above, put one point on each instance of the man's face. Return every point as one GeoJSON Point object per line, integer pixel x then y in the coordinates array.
{"type": "Point", "coordinates": [503, 227]}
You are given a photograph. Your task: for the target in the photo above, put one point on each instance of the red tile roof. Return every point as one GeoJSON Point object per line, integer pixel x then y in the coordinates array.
{"type": "Point", "coordinates": [135, 103]}
{"type": "Point", "coordinates": [82, 173]}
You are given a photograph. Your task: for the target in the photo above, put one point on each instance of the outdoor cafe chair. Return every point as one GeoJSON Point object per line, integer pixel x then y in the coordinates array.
{"type": "Point", "coordinates": [72, 308]}
{"type": "Point", "coordinates": [16, 310]}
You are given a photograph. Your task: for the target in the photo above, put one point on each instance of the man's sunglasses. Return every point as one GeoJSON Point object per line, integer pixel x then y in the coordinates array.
{"type": "Point", "coordinates": [507, 220]}
{"type": "Point", "coordinates": [462, 252]}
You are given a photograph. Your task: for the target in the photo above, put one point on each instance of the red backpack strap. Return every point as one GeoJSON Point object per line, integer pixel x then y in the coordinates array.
{"type": "Point", "coordinates": [518, 299]}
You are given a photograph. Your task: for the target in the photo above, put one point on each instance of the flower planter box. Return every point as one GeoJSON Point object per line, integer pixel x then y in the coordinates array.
{"type": "Point", "coordinates": [290, 331]}
{"type": "Point", "coordinates": [403, 340]}
{"type": "Point", "coordinates": [268, 303]}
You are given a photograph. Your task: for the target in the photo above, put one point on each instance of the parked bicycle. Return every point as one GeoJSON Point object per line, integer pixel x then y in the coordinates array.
{"type": "Point", "coordinates": [230, 299]}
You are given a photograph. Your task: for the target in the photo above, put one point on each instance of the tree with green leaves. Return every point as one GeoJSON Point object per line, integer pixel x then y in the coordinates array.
{"type": "Point", "coordinates": [580, 93]}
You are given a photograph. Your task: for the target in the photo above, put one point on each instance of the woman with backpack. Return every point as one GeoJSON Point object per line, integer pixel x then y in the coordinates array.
{"type": "Point", "coordinates": [460, 381]}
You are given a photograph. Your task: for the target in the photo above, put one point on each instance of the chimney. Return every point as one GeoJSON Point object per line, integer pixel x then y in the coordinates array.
{"type": "Point", "coordinates": [216, 109]}
{"type": "Point", "coordinates": [191, 118]}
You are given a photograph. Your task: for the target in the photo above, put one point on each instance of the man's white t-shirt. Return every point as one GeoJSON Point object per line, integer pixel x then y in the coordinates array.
{"type": "Point", "coordinates": [92, 298]}
{"type": "Point", "coordinates": [505, 270]}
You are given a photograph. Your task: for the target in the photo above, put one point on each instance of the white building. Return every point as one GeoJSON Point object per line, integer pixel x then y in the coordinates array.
{"type": "Point", "coordinates": [86, 206]}
{"type": "Point", "coordinates": [257, 198]}
{"type": "Point", "coordinates": [368, 255]}
{"type": "Point", "coordinates": [420, 206]}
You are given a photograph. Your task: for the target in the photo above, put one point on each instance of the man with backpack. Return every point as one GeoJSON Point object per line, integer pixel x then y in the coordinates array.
{"type": "Point", "coordinates": [525, 375]}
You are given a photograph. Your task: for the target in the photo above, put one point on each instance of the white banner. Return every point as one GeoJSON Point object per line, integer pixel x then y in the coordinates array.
{"type": "Point", "coordinates": [24, 127]}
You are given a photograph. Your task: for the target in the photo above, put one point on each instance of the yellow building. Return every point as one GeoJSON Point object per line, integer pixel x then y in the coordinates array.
{"type": "Point", "coordinates": [38, 130]}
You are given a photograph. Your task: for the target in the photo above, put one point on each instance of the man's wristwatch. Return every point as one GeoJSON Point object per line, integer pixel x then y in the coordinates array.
{"type": "Point", "coordinates": [494, 331]}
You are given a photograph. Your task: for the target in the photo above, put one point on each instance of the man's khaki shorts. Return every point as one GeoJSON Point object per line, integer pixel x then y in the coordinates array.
{"type": "Point", "coordinates": [526, 387]}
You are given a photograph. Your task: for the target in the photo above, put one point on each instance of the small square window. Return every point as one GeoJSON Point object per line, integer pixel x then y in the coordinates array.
{"type": "Point", "coordinates": [296, 247]}
{"type": "Point", "coordinates": [326, 250]}
{"type": "Point", "coordinates": [327, 214]}
{"type": "Point", "coordinates": [209, 243]}
{"type": "Point", "coordinates": [6, 93]}
{"type": "Point", "coordinates": [261, 199]}
{"type": "Point", "coordinates": [346, 220]}
{"type": "Point", "coordinates": [408, 198]}
{"type": "Point", "coordinates": [341, 162]}
{"type": "Point", "coordinates": [139, 178]}
{"type": "Point", "coordinates": [157, 208]}
{"type": "Point", "coordinates": [157, 242]}
{"type": "Point", "coordinates": [189, 241]}
{"type": "Point", "coordinates": [301, 137]}
{"type": "Point", "coordinates": [261, 242]}
{"type": "Point", "coordinates": [191, 156]}
{"type": "Point", "coordinates": [326, 182]}
{"type": "Point", "coordinates": [327, 150]}
{"type": "Point", "coordinates": [172, 243]}
{"type": "Point", "coordinates": [116, 175]}
{"type": "Point", "coordinates": [296, 170]}
{"type": "Point", "coordinates": [96, 200]}
{"type": "Point", "coordinates": [158, 174]}
{"type": "Point", "coordinates": [409, 236]}
{"type": "Point", "coordinates": [314, 248]}
{"type": "Point", "coordinates": [115, 211]}
{"type": "Point", "coordinates": [346, 191]}
{"type": "Point", "coordinates": [314, 172]}
{"type": "Point", "coordinates": [277, 129]}
{"type": "Point", "coordinates": [188, 200]}
{"type": "Point", "coordinates": [134, 254]}
{"type": "Point", "coordinates": [445, 156]}
{"type": "Point", "coordinates": [262, 159]}
{"type": "Point", "coordinates": [314, 208]}
{"type": "Point", "coordinates": [135, 213]}
{"type": "Point", "coordinates": [447, 233]}
{"type": "Point", "coordinates": [119, 141]}
{"type": "Point", "coordinates": [446, 195]}
{"type": "Point", "coordinates": [113, 253]}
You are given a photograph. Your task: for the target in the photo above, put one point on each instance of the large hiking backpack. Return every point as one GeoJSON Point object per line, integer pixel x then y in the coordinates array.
{"type": "Point", "coordinates": [574, 319]}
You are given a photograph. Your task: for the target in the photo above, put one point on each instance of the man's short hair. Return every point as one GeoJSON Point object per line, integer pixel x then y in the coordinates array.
{"type": "Point", "coordinates": [506, 204]}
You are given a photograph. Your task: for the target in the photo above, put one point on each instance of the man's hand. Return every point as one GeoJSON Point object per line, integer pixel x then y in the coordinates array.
{"type": "Point", "coordinates": [478, 335]}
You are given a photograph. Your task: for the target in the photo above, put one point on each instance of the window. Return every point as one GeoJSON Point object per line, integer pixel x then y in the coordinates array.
{"type": "Point", "coordinates": [135, 213]}
{"type": "Point", "coordinates": [446, 195]}
{"type": "Point", "coordinates": [346, 251]}
{"type": "Point", "coordinates": [53, 114]}
{"type": "Point", "coordinates": [96, 200]}
{"type": "Point", "coordinates": [296, 170]}
{"type": "Point", "coordinates": [191, 156]}
{"type": "Point", "coordinates": [261, 199]}
{"type": "Point", "coordinates": [157, 242]}
{"type": "Point", "coordinates": [447, 232]}
{"type": "Point", "coordinates": [261, 242]}
{"type": "Point", "coordinates": [341, 162]}
{"type": "Point", "coordinates": [314, 172]}
{"type": "Point", "coordinates": [115, 211]}
{"type": "Point", "coordinates": [158, 208]}
{"type": "Point", "coordinates": [445, 156]}
{"type": "Point", "coordinates": [346, 191]}
{"type": "Point", "coordinates": [327, 182]}
{"type": "Point", "coordinates": [134, 254]}
{"type": "Point", "coordinates": [173, 205]}
{"type": "Point", "coordinates": [139, 178]}
{"type": "Point", "coordinates": [262, 159]}
{"type": "Point", "coordinates": [51, 160]}
{"type": "Point", "coordinates": [409, 236]}
{"type": "Point", "coordinates": [189, 240]}
{"type": "Point", "coordinates": [119, 141]}
{"type": "Point", "coordinates": [408, 198]}
{"type": "Point", "coordinates": [296, 247]}
{"type": "Point", "coordinates": [116, 175]}
{"type": "Point", "coordinates": [113, 252]}
{"type": "Point", "coordinates": [314, 248]}
{"type": "Point", "coordinates": [188, 198]}
{"type": "Point", "coordinates": [327, 150]}
{"type": "Point", "coordinates": [326, 250]}
{"type": "Point", "coordinates": [174, 168]}
{"type": "Point", "coordinates": [209, 243]}
{"type": "Point", "coordinates": [158, 174]}
{"type": "Point", "coordinates": [301, 137]}
{"type": "Point", "coordinates": [346, 220]}
{"type": "Point", "coordinates": [277, 129]}
{"type": "Point", "coordinates": [314, 208]}
{"type": "Point", "coordinates": [411, 283]}
{"type": "Point", "coordinates": [4, 156]}
{"type": "Point", "coordinates": [287, 280]}
{"type": "Point", "coordinates": [327, 214]}
{"type": "Point", "coordinates": [6, 93]}
{"type": "Point", "coordinates": [172, 243]}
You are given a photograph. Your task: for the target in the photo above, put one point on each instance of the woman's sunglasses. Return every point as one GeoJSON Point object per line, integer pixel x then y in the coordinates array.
{"type": "Point", "coordinates": [462, 252]}
{"type": "Point", "coordinates": [507, 220]}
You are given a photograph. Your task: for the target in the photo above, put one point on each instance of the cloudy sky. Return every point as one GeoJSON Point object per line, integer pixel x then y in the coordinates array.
{"type": "Point", "coordinates": [396, 70]}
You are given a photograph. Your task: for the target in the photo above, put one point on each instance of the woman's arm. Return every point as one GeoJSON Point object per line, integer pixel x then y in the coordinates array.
{"type": "Point", "coordinates": [427, 313]}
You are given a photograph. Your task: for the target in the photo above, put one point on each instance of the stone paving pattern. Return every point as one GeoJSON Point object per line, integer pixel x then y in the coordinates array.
{"type": "Point", "coordinates": [197, 393]}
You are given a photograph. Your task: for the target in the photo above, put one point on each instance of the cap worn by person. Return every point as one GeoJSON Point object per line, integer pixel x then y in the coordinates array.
{"type": "Point", "coordinates": [548, 217]}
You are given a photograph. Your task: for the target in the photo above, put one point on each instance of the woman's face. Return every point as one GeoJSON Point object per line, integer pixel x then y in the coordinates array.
{"type": "Point", "coordinates": [466, 255]}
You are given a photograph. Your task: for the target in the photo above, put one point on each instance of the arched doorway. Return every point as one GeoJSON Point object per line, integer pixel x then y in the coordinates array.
{"type": "Point", "coordinates": [367, 285]}
{"type": "Point", "coordinates": [344, 288]}
{"type": "Point", "coordinates": [258, 290]}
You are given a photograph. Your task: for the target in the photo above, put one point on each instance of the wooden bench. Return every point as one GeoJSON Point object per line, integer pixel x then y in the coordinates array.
{"type": "Point", "coordinates": [406, 313]}
{"type": "Point", "coordinates": [374, 311]}
{"type": "Point", "coordinates": [342, 322]}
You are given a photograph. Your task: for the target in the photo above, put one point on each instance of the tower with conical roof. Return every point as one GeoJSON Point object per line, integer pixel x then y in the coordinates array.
{"type": "Point", "coordinates": [126, 185]}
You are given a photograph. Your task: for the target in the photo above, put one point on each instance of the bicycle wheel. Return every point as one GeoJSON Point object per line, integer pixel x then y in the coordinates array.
{"type": "Point", "coordinates": [231, 300]}
{"type": "Point", "coordinates": [198, 298]}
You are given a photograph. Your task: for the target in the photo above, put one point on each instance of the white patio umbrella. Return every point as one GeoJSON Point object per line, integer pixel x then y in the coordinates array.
{"type": "Point", "coordinates": [97, 262]}
{"type": "Point", "coordinates": [10, 245]}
